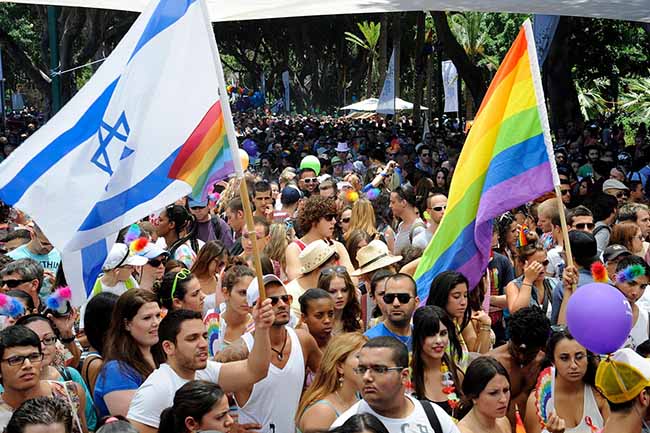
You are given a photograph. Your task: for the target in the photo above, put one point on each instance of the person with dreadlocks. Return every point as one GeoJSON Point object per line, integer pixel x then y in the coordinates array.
{"type": "Point", "coordinates": [178, 227]}
{"type": "Point", "coordinates": [632, 276]}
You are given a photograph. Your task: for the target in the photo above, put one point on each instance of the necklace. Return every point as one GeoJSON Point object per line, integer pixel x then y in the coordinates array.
{"type": "Point", "coordinates": [280, 352]}
{"type": "Point", "coordinates": [449, 387]}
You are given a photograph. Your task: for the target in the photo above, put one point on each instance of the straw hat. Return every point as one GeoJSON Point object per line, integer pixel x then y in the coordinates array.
{"type": "Point", "coordinates": [314, 255]}
{"type": "Point", "coordinates": [374, 256]}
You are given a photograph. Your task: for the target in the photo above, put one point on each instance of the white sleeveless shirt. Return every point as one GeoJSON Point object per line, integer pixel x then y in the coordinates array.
{"type": "Point", "coordinates": [274, 400]}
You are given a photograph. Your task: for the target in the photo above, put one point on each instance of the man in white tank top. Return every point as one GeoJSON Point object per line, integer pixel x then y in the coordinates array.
{"type": "Point", "coordinates": [272, 403]}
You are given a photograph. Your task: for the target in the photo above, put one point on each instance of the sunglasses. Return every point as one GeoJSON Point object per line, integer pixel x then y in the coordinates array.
{"type": "Point", "coordinates": [157, 262]}
{"type": "Point", "coordinates": [545, 263]}
{"type": "Point", "coordinates": [345, 220]}
{"type": "Point", "coordinates": [183, 274]}
{"type": "Point", "coordinates": [439, 208]}
{"type": "Point", "coordinates": [334, 270]}
{"type": "Point", "coordinates": [12, 284]}
{"type": "Point", "coordinates": [310, 180]}
{"type": "Point", "coordinates": [198, 207]}
{"type": "Point", "coordinates": [425, 154]}
{"type": "Point", "coordinates": [621, 195]}
{"type": "Point", "coordinates": [285, 298]}
{"type": "Point", "coordinates": [565, 191]}
{"type": "Point", "coordinates": [585, 226]}
{"type": "Point", "coordinates": [330, 216]}
{"type": "Point", "coordinates": [403, 298]}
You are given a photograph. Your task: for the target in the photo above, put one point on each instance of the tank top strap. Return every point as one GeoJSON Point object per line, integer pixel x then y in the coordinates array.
{"type": "Point", "coordinates": [326, 403]}
{"type": "Point", "coordinates": [300, 244]}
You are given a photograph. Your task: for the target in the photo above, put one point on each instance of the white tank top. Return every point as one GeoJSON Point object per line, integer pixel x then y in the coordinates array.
{"type": "Point", "coordinates": [274, 400]}
{"type": "Point", "coordinates": [590, 414]}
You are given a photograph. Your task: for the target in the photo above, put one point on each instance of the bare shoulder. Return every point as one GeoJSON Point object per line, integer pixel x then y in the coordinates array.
{"type": "Point", "coordinates": [237, 351]}
{"type": "Point", "coordinates": [304, 336]}
{"type": "Point", "coordinates": [504, 425]}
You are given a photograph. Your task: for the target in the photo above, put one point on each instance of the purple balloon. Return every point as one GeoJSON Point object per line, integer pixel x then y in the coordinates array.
{"type": "Point", "coordinates": [250, 147]}
{"type": "Point", "coordinates": [599, 317]}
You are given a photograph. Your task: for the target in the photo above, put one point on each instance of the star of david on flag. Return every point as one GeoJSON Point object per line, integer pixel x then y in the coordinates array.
{"type": "Point", "coordinates": [103, 161]}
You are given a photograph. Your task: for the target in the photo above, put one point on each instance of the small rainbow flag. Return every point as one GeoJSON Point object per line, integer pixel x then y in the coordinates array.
{"type": "Point", "coordinates": [206, 156]}
{"type": "Point", "coordinates": [519, 424]}
{"type": "Point", "coordinates": [507, 160]}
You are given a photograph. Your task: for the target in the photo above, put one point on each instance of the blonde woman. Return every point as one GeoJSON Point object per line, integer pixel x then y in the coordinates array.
{"type": "Point", "coordinates": [362, 218]}
{"type": "Point", "coordinates": [276, 247]}
{"type": "Point", "coordinates": [335, 386]}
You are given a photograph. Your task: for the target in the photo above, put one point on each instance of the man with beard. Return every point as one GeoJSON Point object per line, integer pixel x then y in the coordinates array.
{"type": "Point", "coordinates": [272, 403]}
{"type": "Point", "coordinates": [183, 339]}
{"type": "Point", "coordinates": [522, 355]}
{"type": "Point", "coordinates": [400, 300]}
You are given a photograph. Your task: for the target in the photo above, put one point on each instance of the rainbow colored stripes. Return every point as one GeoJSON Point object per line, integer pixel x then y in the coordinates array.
{"type": "Point", "coordinates": [205, 158]}
{"type": "Point", "coordinates": [504, 163]}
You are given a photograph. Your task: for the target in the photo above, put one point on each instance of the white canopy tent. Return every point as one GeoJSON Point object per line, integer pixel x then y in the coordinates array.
{"type": "Point", "coordinates": [222, 10]}
{"type": "Point", "coordinates": [370, 105]}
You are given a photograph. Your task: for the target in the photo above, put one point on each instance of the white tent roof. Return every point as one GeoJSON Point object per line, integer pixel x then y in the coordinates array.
{"type": "Point", "coordinates": [222, 10]}
{"type": "Point", "coordinates": [370, 104]}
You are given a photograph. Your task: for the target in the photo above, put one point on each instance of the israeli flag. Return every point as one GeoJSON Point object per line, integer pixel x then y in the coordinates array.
{"type": "Point", "coordinates": [101, 163]}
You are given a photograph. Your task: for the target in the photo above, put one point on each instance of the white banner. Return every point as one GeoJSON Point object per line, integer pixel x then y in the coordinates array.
{"type": "Point", "coordinates": [386, 104]}
{"type": "Point", "coordinates": [287, 96]}
{"type": "Point", "coordinates": [450, 85]}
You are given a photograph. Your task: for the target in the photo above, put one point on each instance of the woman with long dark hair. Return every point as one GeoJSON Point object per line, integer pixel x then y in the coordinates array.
{"type": "Point", "coordinates": [178, 226]}
{"type": "Point", "coordinates": [128, 359]}
{"type": "Point", "coordinates": [347, 310]}
{"type": "Point", "coordinates": [180, 290]}
{"type": "Point", "coordinates": [434, 374]}
{"type": "Point", "coordinates": [198, 406]}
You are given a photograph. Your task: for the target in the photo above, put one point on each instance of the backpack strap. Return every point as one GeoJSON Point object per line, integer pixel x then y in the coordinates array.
{"type": "Point", "coordinates": [431, 416]}
{"type": "Point", "coordinates": [415, 226]}
{"type": "Point", "coordinates": [216, 226]}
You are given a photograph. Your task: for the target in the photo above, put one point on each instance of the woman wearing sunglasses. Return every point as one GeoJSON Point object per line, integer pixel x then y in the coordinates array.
{"type": "Point", "coordinates": [180, 290]}
{"type": "Point", "coordinates": [317, 220]}
{"type": "Point", "coordinates": [533, 287]}
{"type": "Point", "coordinates": [347, 310]}
{"type": "Point", "coordinates": [154, 269]}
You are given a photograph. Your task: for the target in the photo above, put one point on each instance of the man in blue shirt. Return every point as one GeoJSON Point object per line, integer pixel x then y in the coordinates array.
{"type": "Point", "coordinates": [40, 249]}
{"type": "Point", "coordinates": [401, 300]}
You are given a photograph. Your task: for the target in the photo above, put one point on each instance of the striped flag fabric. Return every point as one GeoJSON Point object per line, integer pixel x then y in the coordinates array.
{"type": "Point", "coordinates": [104, 161]}
{"type": "Point", "coordinates": [506, 161]}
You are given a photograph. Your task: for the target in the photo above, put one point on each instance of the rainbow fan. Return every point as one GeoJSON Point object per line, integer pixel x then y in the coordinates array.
{"type": "Point", "coordinates": [544, 395]}
{"type": "Point", "coordinates": [212, 320]}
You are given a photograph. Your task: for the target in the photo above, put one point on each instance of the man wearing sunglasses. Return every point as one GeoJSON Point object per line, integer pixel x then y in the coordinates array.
{"type": "Point", "coordinates": [308, 182]}
{"type": "Point", "coordinates": [580, 218]}
{"type": "Point", "coordinates": [617, 189]}
{"type": "Point", "coordinates": [272, 403]}
{"type": "Point", "coordinates": [40, 249]}
{"type": "Point", "coordinates": [383, 370]}
{"type": "Point", "coordinates": [25, 275]}
{"type": "Point", "coordinates": [400, 300]}
{"type": "Point", "coordinates": [436, 206]}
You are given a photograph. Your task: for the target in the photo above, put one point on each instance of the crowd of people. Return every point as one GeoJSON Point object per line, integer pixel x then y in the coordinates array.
{"type": "Point", "coordinates": [175, 336]}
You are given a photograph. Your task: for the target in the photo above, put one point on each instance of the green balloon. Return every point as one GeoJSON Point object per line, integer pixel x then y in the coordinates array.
{"type": "Point", "coordinates": [310, 161]}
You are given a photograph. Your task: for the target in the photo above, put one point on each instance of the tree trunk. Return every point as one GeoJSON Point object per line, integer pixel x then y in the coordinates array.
{"type": "Point", "coordinates": [371, 62]}
{"type": "Point", "coordinates": [420, 68]}
{"type": "Point", "coordinates": [429, 103]}
{"type": "Point", "coordinates": [397, 38]}
{"type": "Point", "coordinates": [469, 72]}
{"type": "Point", "coordinates": [562, 94]}
{"type": "Point", "coordinates": [383, 50]}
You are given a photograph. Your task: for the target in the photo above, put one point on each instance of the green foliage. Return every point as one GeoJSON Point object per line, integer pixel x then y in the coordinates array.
{"type": "Point", "coordinates": [592, 102]}
{"type": "Point", "coordinates": [370, 32]}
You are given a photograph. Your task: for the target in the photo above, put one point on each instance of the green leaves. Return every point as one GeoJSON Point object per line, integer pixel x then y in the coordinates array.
{"type": "Point", "coordinates": [370, 32]}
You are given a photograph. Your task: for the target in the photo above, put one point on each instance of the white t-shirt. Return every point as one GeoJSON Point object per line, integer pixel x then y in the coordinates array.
{"type": "Point", "coordinates": [416, 422]}
{"type": "Point", "coordinates": [157, 392]}
{"type": "Point", "coordinates": [639, 332]}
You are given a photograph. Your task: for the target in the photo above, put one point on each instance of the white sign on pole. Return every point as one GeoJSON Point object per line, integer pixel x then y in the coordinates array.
{"type": "Point", "coordinates": [450, 85]}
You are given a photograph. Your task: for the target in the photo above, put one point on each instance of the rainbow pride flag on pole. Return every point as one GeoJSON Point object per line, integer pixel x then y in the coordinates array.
{"type": "Point", "coordinates": [507, 160]}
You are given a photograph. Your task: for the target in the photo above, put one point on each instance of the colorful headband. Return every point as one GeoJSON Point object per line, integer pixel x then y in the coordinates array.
{"type": "Point", "coordinates": [58, 301]}
{"type": "Point", "coordinates": [11, 307]}
{"type": "Point", "coordinates": [132, 234]}
{"type": "Point", "coordinates": [599, 273]}
{"type": "Point", "coordinates": [630, 273]}
{"type": "Point", "coordinates": [522, 236]}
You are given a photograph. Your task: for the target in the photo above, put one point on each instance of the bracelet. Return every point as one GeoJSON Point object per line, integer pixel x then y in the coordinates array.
{"type": "Point", "coordinates": [485, 328]}
{"type": "Point", "coordinates": [68, 340]}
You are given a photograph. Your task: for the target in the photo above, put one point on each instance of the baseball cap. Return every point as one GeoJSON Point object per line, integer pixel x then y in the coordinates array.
{"type": "Point", "coordinates": [152, 250]}
{"type": "Point", "coordinates": [584, 247]}
{"type": "Point", "coordinates": [253, 291]}
{"type": "Point", "coordinates": [623, 375]}
{"type": "Point", "coordinates": [615, 251]}
{"type": "Point", "coordinates": [290, 195]}
{"type": "Point", "coordinates": [197, 203]}
{"type": "Point", "coordinates": [337, 161]}
{"type": "Point", "coordinates": [121, 256]}
{"type": "Point", "coordinates": [614, 184]}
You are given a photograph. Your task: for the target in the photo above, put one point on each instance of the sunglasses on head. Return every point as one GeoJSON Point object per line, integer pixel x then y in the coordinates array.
{"type": "Point", "coordinates": [585, 226]}
{"type": "Point", "coordinates": [12, 284]}
{"type": "Point", "coordinates": [181, 275]}
{"type": "Point", "coordinates": [334, 270]}
{"type": "Point", "coordinates": [403, 298]}
{"type": "Point", "coordinates": [157, 262]}
{"type": "Point", "coordinates": [310, 180]}
{"type": "Point", "coordinates": [285, 298]}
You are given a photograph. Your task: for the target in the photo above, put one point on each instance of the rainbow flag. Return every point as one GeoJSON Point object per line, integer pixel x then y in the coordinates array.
{"type": "Point", "coordinates": [519, 424]}
{"type": "Point", "coordinates": [507, 160]}
{"type": "Point", "coordinates": [206, 156]}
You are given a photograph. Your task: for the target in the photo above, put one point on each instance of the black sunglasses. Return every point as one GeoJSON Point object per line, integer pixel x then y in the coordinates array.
{"type": "Point", "coordinates": [285, 298]}
{"type": "Point", "coordinates": [621, 195]}
{"type": "Point", "coordinates": [585, 226]}
{"type": "Point", "coordinates": [12, 284]}
{"type": "Point", "coordinates": [198, 207]}
{"type": "Point", "coordinates": [157, 262]}
{"type": "Point", "coordinates": [566, 191]}
{"type": "Point", "coordinates": [403, 298]}
{"type": "Point", "coordinates": [345, 220]}
{"type": "Point", "coordinates": [330, 216]}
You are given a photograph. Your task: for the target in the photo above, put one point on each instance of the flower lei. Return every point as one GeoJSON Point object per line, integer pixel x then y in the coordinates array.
{"type": "Point", "coordinates": [448, 387]}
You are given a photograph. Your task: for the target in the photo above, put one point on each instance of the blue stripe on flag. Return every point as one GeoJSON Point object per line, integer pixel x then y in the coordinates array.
{"type": "Point", "coordinates": [527, 154]}
{"type": "Point", "coordinates": [167, 13]}
{"type": "Point", "coordinates": [145, 190]}
{"type": "Point", "coordinates": [86, 127]}
{"type": "Point", "coordinates": [92, 259]}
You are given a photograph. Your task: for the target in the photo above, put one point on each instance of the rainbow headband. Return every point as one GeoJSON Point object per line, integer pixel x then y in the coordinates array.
{"type": "Point", "coordinates": [630, 273]}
